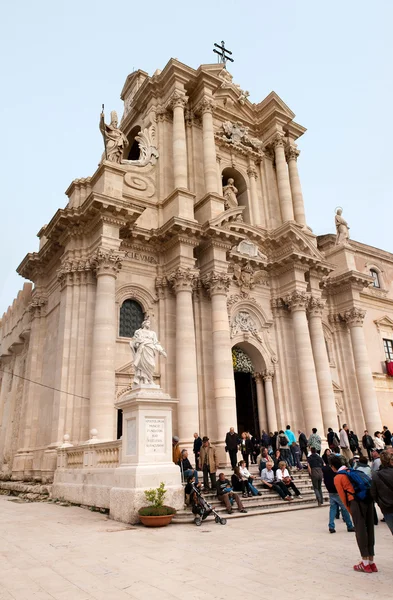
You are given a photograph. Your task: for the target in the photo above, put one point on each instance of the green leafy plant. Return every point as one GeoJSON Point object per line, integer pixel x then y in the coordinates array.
{"type": "Point", "coordinates": [156, 499]}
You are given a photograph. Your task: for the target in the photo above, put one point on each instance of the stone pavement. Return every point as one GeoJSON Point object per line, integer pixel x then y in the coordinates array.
{"type": "Point", "coordinates": [66, 553]}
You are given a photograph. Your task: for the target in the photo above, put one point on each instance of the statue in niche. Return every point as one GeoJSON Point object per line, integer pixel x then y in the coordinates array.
{"type": "Point", "coordinates": [115, 141]}
{"type": "Point", "coordinates": [342, 228]}
{"type": "Point", "coordinates": [230, 194]}
{"type": "Point", "coordinates": [144, 346]}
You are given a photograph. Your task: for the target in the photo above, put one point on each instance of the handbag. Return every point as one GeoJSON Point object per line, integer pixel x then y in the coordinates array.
{"type": "Point", "coordinates": [287, 480]}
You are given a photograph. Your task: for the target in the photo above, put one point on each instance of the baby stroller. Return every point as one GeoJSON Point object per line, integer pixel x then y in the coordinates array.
{"type": "Point", "coordinates": [202, 509]}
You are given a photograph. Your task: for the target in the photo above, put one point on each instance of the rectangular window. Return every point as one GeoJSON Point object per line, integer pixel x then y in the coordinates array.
{"type": "Point", "coordinates": [388, 347]}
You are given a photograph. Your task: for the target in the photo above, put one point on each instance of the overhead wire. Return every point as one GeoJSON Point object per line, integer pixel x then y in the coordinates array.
{"type": "Point", "coordinates": [49, 387]}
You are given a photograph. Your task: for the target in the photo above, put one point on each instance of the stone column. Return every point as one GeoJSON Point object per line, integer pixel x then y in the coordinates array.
{"type": "Point", "coordinates": [284, 188]}
{"type": "Point", "coordinates": [178, 101]}
{"type": "Point", "coordinates": [102, 388]}
{"type": "Point", "coordinates": [297, 302]}
{"type": "Point", "coordinates": [254, 201]}
{"type": "Point", "coordinates": [354, 318]}
{"type": "Point", "coordinates": [186, 366]}
{"type": "Point", "coordinates": [224, 382]}
{"type": "Point", "coordinates": [219, 175]}
{"type": "Point", "coordinates": [206, 107]}
{"type": "Point", "coordinates": [296, 188]}
{"type": "Point", "coordinates": [270, 403]}
{"type": "Point", "coordinates": [321, 360]}
{"type": "Point", "coordinates": [261, 402]}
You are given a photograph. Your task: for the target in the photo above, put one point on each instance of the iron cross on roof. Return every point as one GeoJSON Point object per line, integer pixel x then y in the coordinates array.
{"type": "Point", "coordinates": [222, 53]}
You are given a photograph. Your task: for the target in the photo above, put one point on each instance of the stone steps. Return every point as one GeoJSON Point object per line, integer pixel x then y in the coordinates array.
{"type": "Point", "coordinates": [32, 492]}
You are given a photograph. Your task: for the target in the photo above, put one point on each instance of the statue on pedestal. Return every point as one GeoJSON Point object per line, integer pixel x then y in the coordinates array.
{"type": "Point", "coordinates": [114, 139]}
{"type": "Point", "coordinates": [230, 194]}
{"type": "Point", "coordinates": [342, 228]}
{"type": "Point", "coordinates": [144, 346]}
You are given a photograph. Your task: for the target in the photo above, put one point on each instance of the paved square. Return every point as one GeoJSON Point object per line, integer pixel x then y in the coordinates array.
{"type": "Point", "coordinates": [67, 553]}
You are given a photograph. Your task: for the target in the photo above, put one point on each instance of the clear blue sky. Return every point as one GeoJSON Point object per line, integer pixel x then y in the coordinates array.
{"type": "Point", "coordinates": [330, 62]}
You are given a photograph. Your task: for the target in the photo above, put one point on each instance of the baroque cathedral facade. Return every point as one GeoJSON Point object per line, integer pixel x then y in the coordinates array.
{"type": "Point", "coordinates": [195, 218]}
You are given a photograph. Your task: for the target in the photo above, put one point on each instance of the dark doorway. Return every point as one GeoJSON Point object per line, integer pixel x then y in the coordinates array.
{"type": "Point", "coordinates": [246, 404]}
{"type": "Point", "coordinates": [119, 423]}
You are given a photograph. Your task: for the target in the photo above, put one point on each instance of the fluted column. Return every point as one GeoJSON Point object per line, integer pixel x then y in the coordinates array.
{"type": "Point", "coordinates": [354, 319]}
{"type": "Point", "coordinates": [270, 403]}
{"type": "Point", "coordinates": [102, 387]}
{"type": "Point", "coordinates": [284, 187]}
{"type": "Point", "coordinates": [254, 203]}
{"type": "Point", "coordinates": [262, 418]}
{"type": "Point", "coordinates": [296, 188]}
{"type": "Point", "coordinates": [186, 365]}
{"type": "Point", "coordinates": [178, 101]}
{"type": "Point", "coordinates": [205, 108]}
{"type": "Point", "coordinates": [321, 360]}
{"type": "Point", "coordinates": [297, 302]}
{"type": "Point", "coordinates": [224, 382]}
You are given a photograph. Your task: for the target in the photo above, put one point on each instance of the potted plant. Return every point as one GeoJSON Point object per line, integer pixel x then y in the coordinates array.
{"type": "Point", "coordinates": [157, 514]}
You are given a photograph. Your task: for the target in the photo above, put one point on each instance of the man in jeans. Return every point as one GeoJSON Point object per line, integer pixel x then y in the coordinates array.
{"type": "Point", "coordinates": [315, 464]}
{"type": "Point", "coordinates": [335, 501]}
{"type": "Point", "coordinates": [208, 463]}
{"type": "Point", "coordinates": [225, 494]}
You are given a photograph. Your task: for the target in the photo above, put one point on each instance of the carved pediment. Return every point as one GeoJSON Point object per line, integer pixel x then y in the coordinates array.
{"type": "Point", "coordinates": [384, 323]}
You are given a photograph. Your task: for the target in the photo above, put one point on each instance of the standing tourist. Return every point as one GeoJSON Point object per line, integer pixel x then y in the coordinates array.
{"type": "Point", "coordinates": [231, 445]}
{"type": "Point", "coordinates": [245, 447]}
{"type": "Point", "coordinates": [379, 444]}
{"type": "Point", "coordinates": [315, 466]}
{"type": "Point", "coordinates": [344, 443]}
{"type": "Point", "coordinates": [296, 456]}
{"type": "Point", "coordinates": [362, 511]}
{"type": "Point", "coordinates": [382, 488]}
{"type": "Point", "coordinates": [332, 439]}
{"type": "Point", "coordinates": [208, 462]}
{"type": "Point", "coordinates": [265, 439]}
{"type": "Point", "coordinates": [314, 441]}
{"type": "Point", "coordinates": [387, 436]}
{"type": "Point", "coordinates": [176, 452]}
{"type": "Point", "coordinates": [376, 464]}
{"type": "Point", "coordinates": [283, 446]}
{"type": "Point", "coordinates": [367, 443]}
{"type": "Point", "coordinates": [354, 442]}
{"type": "Point", "coordinates": [335, 501]}
{"type": "Point", "coordinates": [197, 449]}
{"type": "Point", "coordinates": [290, 435]}
{"type": "Point", "coordinates": [303, 443]}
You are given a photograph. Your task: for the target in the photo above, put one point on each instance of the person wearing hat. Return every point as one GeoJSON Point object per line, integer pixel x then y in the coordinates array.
{"type": "Point", "coordinates": [208, 463]}
{"type": "Point", "coordinates": [176, 452]}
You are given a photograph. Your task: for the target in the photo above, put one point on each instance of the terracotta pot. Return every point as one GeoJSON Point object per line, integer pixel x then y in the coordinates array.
{"type": "Point", "coordinates": [160, 521]}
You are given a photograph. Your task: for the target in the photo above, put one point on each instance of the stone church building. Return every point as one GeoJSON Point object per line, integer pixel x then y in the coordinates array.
{"type": "Point", "coordinates": [194, 217]}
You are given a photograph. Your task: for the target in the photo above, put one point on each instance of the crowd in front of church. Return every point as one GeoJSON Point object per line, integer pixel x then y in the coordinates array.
{"type": "Point", "coordinates": [367, 464]}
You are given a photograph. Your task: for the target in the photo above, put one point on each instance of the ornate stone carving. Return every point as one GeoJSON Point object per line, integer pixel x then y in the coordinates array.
{"type": "Point", "coordinates": [248, 248]}
{"type": "Point", "coordinates": [244, 94]}
{"type": "Point", "coordinates": [243, 322]}
{"type": "Point", "coordinates": [147, 148]}
{"type": "Point", "coordinates": [182, 279]}
{"type": "Point", "coordinates": [106, 262]}
{"type": "Point", "coordinates": [144, 346]}
{"type": "Point", "coordinates": [258, 376]}
{"type": "Point", "coordinates": [277, 305]}
{"type": "Point", "coordinates": [216, 283]}
{"type": "Point", "coordinates": [246, 277]}
{"type": "Point", "coordinates": [268, 375]}
{"type": "Point", "coordinates": [177, 99]}
{"type": "Point", "coordinates": [292, 153]}
{"type": "Point", "coordinates": [205, 105]}
{"type": "Point", "coordinates": [74, 271]}
{"type": "Point", "coordinates": [142, 186]}
{"type": "Point", "coordinates": [339, 404]}
{"type": "Point", "coordinates": [278, 140]}
{"type": "Point", "coordinates": [237, 134]}
{"type": "Point", "coordinates": [354, 317]}
{"type": "Point", "coordinates": [162, 284]}
{"type": "Point", "coordinates": [342, 228]}
{"type": "Point", "coordinates": [315, 306]}
{"type": "Point", "coordinates": [114, 139]}
{"type": "Point", "coordinates": [252, 172]}
{"type": "Point", "coordinates": [37, 306]}
{"type": "Point", "coordinates": [297, 300]}
{"type": "Point", "coordinates": [230, 194]}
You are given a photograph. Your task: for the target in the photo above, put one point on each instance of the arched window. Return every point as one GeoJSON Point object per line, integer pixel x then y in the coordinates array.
{"type": "Point", "coordinates": [131, 318]}
{"type": "Point", "coordinates": [375, 276]}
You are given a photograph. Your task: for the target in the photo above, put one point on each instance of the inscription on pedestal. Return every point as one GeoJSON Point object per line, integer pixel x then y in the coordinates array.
{"type": "Point", "coordinates": [155, 435]}
{"type": "Point", "coordinates": [131, 437]}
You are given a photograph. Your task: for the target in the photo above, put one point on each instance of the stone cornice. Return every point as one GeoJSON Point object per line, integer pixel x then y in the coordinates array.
{"type": "Point", "coordinates": [349, 280]}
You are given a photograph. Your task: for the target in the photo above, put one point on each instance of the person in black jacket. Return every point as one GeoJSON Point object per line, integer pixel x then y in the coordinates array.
{"type": "Point", "coordinates": [186, 467]}
{"type": "Point", "coordinates": [231, 444]}
{"type": "Point", "coordinates": [303, 443]}
{"type": "Point", "coordinates": [382, 487]}
{"type": "Point", "coordinates": [335, 501]}
{"type": "Point", "coordinates": [245, 447]}
{"type": "Point", "coordinates": [387, 436]}
{"type": "Point", "coordinates": [197, 449]}
{"type": "Point", "coordinates": [368, 444]}
{"type": "Point", "coordinates": [332, 439]}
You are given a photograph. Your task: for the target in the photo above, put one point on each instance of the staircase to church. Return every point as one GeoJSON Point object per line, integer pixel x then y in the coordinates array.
{"type": "Point", "coordinates": [268, 503]}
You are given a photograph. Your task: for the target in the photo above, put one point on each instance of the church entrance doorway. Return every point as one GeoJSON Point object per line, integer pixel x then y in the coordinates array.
{"type": "Point", "coordinates": [246, 395]}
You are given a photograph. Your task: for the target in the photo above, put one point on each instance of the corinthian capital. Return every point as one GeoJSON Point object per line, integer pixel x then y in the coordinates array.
{"type": "Point", "coordinates": [292, 153]}
{"type": "Point", "coordinates": [297, 300]}
{"type": "Point", "coordinates": [216, 283]}
{"type": "Point", "coordinates": [278, 140]}
{"type": "Point", "coordinates": [206, 105]}
{"type": "Point", "coordinates": [177, 99]}
{"type": "Point", "coordinates": [182, 279]}
{"type": "Point", "coordinates": [268, 375]}
{"type": "Point", "coordinates": [252, 172]}
{"type": "Point", "coordinates": [106, 262]}
{"type": "Point", "coordinates": [354, 317]}
{"type": "Point", "coordinates": [315, 306]}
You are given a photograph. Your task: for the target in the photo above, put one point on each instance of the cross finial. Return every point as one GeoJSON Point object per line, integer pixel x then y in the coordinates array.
{"type": "Point", "coordinates": [222, 53]}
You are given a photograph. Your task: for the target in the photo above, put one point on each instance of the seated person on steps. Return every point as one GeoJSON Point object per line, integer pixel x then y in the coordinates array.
{"type": "Point", "coordinates": [282, 474]}
{"type": "Point", "coordinates": [186, 467]}
{"type": "Point", "coordinates": [252, 490]}
{"type": "Point", "coordinates": [269, 482]}
{"type": "Point", "coordinates": [226, 495]}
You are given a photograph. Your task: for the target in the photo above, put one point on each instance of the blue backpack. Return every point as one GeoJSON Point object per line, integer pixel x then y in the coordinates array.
{"type": "Point", "coordinates": [361, 484]}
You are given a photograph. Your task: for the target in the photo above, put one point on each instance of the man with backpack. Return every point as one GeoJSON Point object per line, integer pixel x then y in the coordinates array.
{"type": "Point", "coordinates": [283, 446]}
{"type": "Point", "coordinates": [353, 487]}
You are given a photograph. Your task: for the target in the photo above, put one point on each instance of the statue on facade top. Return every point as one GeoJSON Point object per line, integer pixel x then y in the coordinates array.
{"type": "Point", "coordinates": [115, 141]}
{"type": "Point", "coordinates": [342, 228]}
{"type": "Point", "coordinates": [144, 346]}
{"type": "Point", "coordinates": [230, 194]}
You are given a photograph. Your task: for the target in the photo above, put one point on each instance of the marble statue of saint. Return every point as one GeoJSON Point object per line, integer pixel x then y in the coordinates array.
{"type": "Point", "coordinates": [341, 228]}
{"type": "Point", "coordinates": [114, 139]}
{"type": "Point", "coordinates": [230, 194]}
{"type": "Point", "coordinates": [144, 346]}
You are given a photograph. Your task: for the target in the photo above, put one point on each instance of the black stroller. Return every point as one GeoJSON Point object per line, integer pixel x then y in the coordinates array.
{"type": "Point", "coordinates": [202, 509]}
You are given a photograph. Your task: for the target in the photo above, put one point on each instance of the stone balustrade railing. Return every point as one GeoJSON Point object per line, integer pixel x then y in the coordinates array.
{"type": "Point", "coordinates": [102, 455]}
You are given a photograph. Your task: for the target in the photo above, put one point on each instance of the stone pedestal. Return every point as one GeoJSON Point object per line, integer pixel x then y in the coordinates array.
{"type": "Point", "coordinates": [146, 454]}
